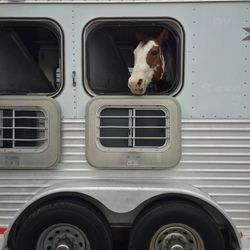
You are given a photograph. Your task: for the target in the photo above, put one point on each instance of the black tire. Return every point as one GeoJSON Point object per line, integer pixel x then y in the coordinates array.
{"type": "Point", "coordinates": [164, 216]}
{"type": "Point", "coordinates": [73, 216]}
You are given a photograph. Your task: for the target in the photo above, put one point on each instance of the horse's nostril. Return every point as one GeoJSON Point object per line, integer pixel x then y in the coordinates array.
{"type": "Point", "coordinates": [139, 82]}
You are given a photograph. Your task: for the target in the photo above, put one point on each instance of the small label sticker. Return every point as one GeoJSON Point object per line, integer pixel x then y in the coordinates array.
{"type": "Point", "coordinates": [133, 160]}
{"type": "Point", "coordinates": [12, 161]}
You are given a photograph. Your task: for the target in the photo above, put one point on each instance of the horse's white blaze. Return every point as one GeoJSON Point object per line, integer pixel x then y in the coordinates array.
{"type": "Point", "coordinates": [141, 69]}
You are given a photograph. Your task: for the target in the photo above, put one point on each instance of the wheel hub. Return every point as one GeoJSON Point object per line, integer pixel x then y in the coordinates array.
{"type": "Point", "coordinates": [177, 247]}
{"type": "Point", "coordinates": [176, 237]}
{"type": "Point", "coordinates": [65, 243]}
{"type": "Point", "coordinates": [62, 247]}
{"type": "Point", "coordinates": [175, 241]}
{"type": "Point", "coordinates": [63, 237]}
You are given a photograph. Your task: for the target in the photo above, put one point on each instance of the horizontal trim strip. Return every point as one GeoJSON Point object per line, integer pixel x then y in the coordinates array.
{"type": "Point", "coordinates": [233, 202]}
{"type": "Point", "coordinates": [183, 121]}
{"type": "Point", "coordinates": [116, 1]}
{"type": "Point", "coordinates": [216, 154]}
{"type": "Point", "coordinates": [73, 138]}
{"type": "Point", "coordinates": [242, 227]}
{"type": "Point", "coordinates": [74, 154]}
{"type": "Point", "coordinates": [223, 186]}
{"type": "Point", "coordinates": [6, 217]}
{"type": "Point", "coordinates": [23, 186]}
{"type": "Point", "coordinates": [18, 194]}
{"type": "Point", "coordinates": [73, 146]}
{"type": "Point", "coordinates": [216, 121]}
{"type": "Point", "coordinates": [13, 202]}
{"type": "Point", "coordinates": [237, 210]}
{"type": "Point", "coordinates": [241, 219]}
{"type": "Point", "coordinates": [9, 209]}
{"type": "Point", "coordinates": [73, 121]}
{"type": "Point", "coordinates": [216, 129]}
{"type": "Point", "coordinates": [74, 162]}
{"type": "Point", "coordinates": [223, 170]}
{"type": "Point", "coordinates": [214, 146]}
{"type": "Point", "coordinates": [48, 178]}
{"type": "Point", "coordinates": [80, 129]}
{"type": "Point", "coordinates": [216, 162]}
{"type": "Point", "coordinates": [229, 194]}
{"type": "Point", "coordinates": [215, 138]}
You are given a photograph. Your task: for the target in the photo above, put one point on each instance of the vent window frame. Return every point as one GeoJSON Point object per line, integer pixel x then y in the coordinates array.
{"type": "Point", "coordinates": [55, 28]}
{"type": "Point", "coordinates": [34, 156]}
{"type": "Point", "coordinates": [168, 22]}
{"type": "Point", "coordinates": [165, 156]}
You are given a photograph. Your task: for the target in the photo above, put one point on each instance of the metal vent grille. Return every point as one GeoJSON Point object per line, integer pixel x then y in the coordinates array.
{"type": "Point", "coordinates": [23, 128]}
{"type": "Point", "coordinates": [133, 127]}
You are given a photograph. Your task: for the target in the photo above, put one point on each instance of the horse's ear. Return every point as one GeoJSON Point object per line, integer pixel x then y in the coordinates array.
{"type": "Point", "coordinates": [162, 37]}
{"type": "Point", "coordinates": [140, 37]}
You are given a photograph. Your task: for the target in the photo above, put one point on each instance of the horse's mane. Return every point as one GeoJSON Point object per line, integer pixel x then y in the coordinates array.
{"type": "Point", "coordinates": [167, 82]}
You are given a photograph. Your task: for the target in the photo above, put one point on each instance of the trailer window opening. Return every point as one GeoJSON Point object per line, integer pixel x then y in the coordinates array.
{"type": "Point", "coordinates": [23, 128]}
{"type": "Point", "coordinates": [133, 127]}
{"type": "Point", "coordinates": [30, 57]}
{"type": "Point", "coordinates": [109, 57]}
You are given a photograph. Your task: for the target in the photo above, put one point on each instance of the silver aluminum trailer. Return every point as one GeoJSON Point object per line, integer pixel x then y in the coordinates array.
{"type": "Point", "coordinates": [83, 161]}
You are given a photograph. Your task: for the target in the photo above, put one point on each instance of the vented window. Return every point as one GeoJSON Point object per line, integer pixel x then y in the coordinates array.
{"type": "Point", "coordinates": [29, 132]}
{"type": "Point", "coordinates": [23, 128]}
{"type": "Point", "coordinates": [128, 132]}
{"type": "Point", "coordinates": [133, 127]}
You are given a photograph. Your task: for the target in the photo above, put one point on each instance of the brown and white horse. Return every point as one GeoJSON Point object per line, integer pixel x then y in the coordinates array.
{"type": "Point", "coordinates": [149, 63]}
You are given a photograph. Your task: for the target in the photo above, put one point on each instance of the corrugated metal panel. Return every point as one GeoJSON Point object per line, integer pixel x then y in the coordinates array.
{"type": "Point", "coordinates": [216, 152]}
{"type": "Point", "coordinates": [215, 158]}
{"type": "Point", "coordinates": [115, 1]}
{"type": "Point", "coordinates": [73, 146]}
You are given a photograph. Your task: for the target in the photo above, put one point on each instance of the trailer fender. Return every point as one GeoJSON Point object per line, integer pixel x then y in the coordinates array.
{"type": "Point", "coordinates": [124, 197]}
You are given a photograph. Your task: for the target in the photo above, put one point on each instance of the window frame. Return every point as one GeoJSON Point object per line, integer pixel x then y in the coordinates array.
{"type": "Point", "coordinates": [120, 158]}
{"type": "Point", "coordinates": [43, 156]}
{"type": "Point", "coordinates": [53, 26]}
{"type": "Point", "coordinates": [167, 20]}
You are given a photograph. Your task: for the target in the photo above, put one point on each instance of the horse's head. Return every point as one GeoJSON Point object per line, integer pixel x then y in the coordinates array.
{"type": "Point", "coordinates": [149, 64]}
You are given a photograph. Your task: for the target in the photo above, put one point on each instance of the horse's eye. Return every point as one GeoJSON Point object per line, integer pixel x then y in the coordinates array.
{"type": "Point", "coordinates": [155, 52]}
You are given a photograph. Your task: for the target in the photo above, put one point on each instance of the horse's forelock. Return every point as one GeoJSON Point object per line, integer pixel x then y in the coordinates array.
{"type": "Point", "coordinates": [145, 40]}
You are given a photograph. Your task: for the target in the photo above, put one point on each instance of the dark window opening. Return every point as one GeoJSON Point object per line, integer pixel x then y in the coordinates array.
{"type": "Point", "coordinates": [133, 127]}
{"type": "Point", "coordinates": [109, 58]}
{"type": "Point", "coordinates": [30, 58]}
{"type": "Point", "coordinates": [22, 128]}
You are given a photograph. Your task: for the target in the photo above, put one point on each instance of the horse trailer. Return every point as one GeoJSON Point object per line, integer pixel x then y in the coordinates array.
{"type": "Point", "coordinates": [91, 152]}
